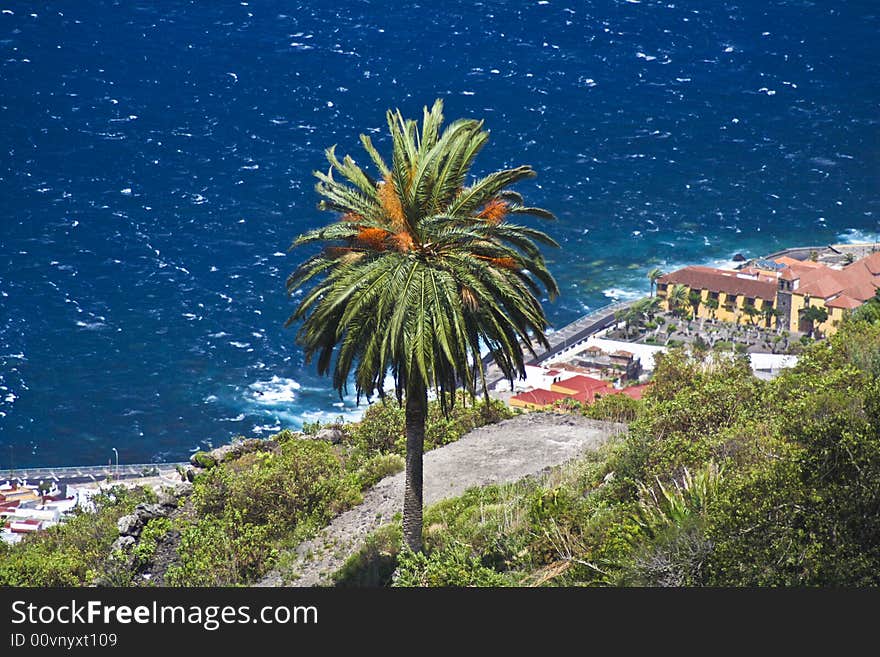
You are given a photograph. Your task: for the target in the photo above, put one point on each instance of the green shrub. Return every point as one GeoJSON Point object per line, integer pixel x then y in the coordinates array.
{"type": "Point", "coordinates": [222, 551]}
{"type": "Point", "coordinates": [614, 408]}
{"type": "Point", "coordinates": [153, 532]}
{"type": "Point", "coordinates": [452, 566]}
{"type": "Point", "coordinates": [375, 562]}
{"type": "Point", "coordinates": [204, 460]}
{"type": "Point", "coordinates": [378, 467]}
{"type": "Point", "coordinates": [305, 483]}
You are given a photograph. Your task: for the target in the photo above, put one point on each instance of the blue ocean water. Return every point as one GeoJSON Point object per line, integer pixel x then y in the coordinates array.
{"type": "Point", "coordinates": [156, 158]}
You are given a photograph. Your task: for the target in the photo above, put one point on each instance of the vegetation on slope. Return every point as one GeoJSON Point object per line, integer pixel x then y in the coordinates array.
{"type": "Point", "coordinates": [722, 480]}
{"type": "Point", "coordinates": [242, 513]}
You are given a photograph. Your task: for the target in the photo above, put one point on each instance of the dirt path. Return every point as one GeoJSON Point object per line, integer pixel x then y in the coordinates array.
{"type": "Point", "coordinates": [504, 452]}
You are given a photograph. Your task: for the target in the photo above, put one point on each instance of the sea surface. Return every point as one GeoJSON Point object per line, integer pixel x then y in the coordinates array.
{"type": "Point", "coordinates": [156, 159]}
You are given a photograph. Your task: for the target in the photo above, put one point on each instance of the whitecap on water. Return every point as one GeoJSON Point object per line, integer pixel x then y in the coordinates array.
{"type": "Point", "coordinates": [274, 428]}
{"type": "Point", "coordinates": [277, 390]}
{"type": "Point", "coordinates": [622, 295]}
{"type": "Point", "coordinates": [856, 236]}
{"type": "Point", "coordinates": [91, 326]}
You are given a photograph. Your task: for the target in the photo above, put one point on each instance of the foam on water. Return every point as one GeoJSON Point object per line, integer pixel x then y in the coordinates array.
{"type": "Point", "coordinates": [855, 236]}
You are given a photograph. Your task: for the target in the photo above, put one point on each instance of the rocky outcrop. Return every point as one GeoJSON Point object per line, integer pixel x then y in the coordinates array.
{"type": "Point", "coordinates": [232, 451]}
{"type": "Point", "coordinates": [332, 435]}
{"type": "Point", "coordinates": [131, 527]}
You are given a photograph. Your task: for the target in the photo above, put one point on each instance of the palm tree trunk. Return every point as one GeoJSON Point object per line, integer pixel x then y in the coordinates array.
{"type": "Point", "coordinates": [416, 411]}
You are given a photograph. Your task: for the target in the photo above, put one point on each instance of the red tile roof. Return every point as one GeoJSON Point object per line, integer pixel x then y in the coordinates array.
{"type": "Point", "coordinates": [721, 280]}
{"type": "Point", "coordinates": [821, 284]}
{"type": "Point", "coordinates": [589, 396]}
{"type": "Point", "coordinates": [792, 262]}
{"type": "Point", "coordinates": [858, 280]}
{"type": "Point", "coordinates": [843, 301]}
{"type": "Point", "coordinates": [539, 397]}
{"type": "Point", "coordinates": [636, 392]}
{"type": "Point", "coordinates": [582, 383]}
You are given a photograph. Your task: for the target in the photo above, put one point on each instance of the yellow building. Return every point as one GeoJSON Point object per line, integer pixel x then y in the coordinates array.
{"type": "Point", "coordinates": [786, 285]}
{"type": "Point", "coordinates": [724, 295]}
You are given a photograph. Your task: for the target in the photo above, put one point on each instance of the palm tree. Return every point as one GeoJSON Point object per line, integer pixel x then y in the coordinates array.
{"type": "Point", "coordinates": [712, 305]}
{"type": "Point", "coordinates": [648, 306]}
{"type": "Point", "coordinates": [751, 311]}
{"type": "Point", "coordinates": [769, 314]}
{"type": "Point", "coordinates": [653, 275]}
{"type": "Point", "coordinates": [420, 270]}
{"type": "Point", "coordinates": [695, 299]}
{"type": "Point", "coordinates": [813, 315]}
{"type": "Point", "coordinates": [677, 298]}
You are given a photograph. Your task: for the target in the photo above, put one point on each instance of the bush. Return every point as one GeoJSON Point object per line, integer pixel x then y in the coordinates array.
{"type": "Point", "coordinates": [614, 408]}
{"type": "Point", "coordinates": [204, 460]}
{"type": "Point", "coordinates": [305, 483]}
{"type": "Point", "coordinates": [378, 467]}
{"type": "Point", "coordinates": [375, 562]}
{"type": "Point", "coordinates": [453, 566]}
{"type": "Point", "coordinates": [221, 551]}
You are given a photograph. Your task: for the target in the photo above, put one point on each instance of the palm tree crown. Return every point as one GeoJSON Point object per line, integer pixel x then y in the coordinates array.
{"type": "Point", "coordinates": [421, 268]}
{"type": "Point", "coordinates": [653, 275]}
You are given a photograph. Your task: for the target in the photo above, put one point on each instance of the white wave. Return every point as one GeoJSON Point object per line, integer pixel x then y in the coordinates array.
{"type": "Point", "coordinates": [126, 191]}
{"type": "Point", "coordinates": [91, 326]}
{"type": "Point", "coordinates": [277, 390]}
{"type": "Point", "coordinates": [274, 428]}
{"type": "Point", "coordinates": [240, 345]}
{"type": "Point", "coordinates": [619, 294]}
{"type": "Point", "coordinates": [237, 418]}
{"type": "Point", "coordinates": [856, 236]}
{"type": "Point", "coordinates": [210, 399]}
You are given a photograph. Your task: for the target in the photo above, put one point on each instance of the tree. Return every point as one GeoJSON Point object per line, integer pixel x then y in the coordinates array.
{"type": "Point", "coordinates": [418, 272]}
{"type": "Point", "coordinates": [653, 275]}
{"type": "Point", "coordinates": [677, 298]}
{"type": "Point", "coordinates": [712, 305]}
{"type": "Point", "coordinates": [633, 316]}
{"type": "Point", "coordinates": [769, 313]}
{"type": "Point", "coordinates": [814, 315]}
{"type": "Point", "coordinates": [647, 307]}
{"type": "Point", "coordinates": [751, 312]}
{"type": "Point", "coordinates": [869, 311]}
{"type": "Point", "coordinates": [695, 299]}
